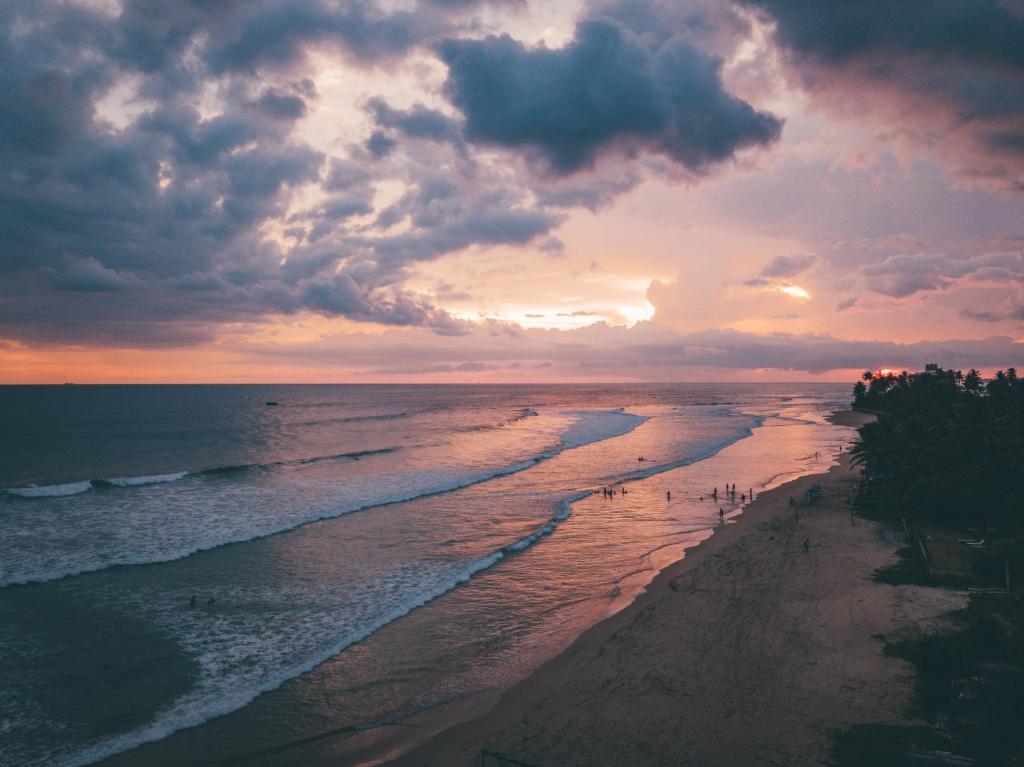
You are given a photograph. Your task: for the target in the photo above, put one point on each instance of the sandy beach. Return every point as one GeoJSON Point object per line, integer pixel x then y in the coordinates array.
{"type": "Point", "coordinates": [750, 650]}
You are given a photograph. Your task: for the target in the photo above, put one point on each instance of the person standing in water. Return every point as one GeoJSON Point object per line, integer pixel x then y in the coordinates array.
{"type": "Point", "coordinates": [668, 495]}
{"type": "Point", "coordinates": [721, 515]}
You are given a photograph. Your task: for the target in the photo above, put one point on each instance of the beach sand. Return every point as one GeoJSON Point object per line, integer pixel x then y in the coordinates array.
{"type": "Point", "coordinates": [748, 651]}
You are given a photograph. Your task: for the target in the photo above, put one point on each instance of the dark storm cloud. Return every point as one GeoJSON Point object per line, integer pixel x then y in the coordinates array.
{"type": "Point", "coordinates": [965, 58]}
{"type": "Point", "coordinates": [282, 106]}
{"type": "Point", "coordinates": [605, 90]}
{"type": "Point", "coordinates": [983, 31]}
{"type": "Point", "coordinates": [278, 34]}
{"type": "Point", "coordinates": [159, 229]}
{"type": "Point", "coordinates": [418, 122]}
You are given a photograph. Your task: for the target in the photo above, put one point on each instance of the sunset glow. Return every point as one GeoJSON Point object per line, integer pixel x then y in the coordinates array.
{"type": "Point", "coordinates": [258, 204]}
{"type": "Point", "coordinates": [793, 290]}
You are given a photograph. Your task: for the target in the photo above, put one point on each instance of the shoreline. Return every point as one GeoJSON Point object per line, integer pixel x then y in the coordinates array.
{"type": "Point", "coordinates": [719, 641]}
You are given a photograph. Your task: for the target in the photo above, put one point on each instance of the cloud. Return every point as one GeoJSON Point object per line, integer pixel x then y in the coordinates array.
{"type": "Point", "coordinates": [846, 303]}
{"type": "Point", "coordinates": [643, 352]}
{"type": "Point", "coordinates": [904, 275]}
{"type": "Point", "coordinates": [605, 91]}
{"type": "Point", "coordinates": [781, 268]}
{"type": "Point", "coordinates": [418, 122]}
{"type": "Point", "coordinates": [788, 266]}
{"type": "Point", "coordinates": [980, 316]}
{"type": "Point", "coordinates": [282, 106]}
{"type": "Point", "coordinates": [278, 34]}
{"type": "Point", "coordinates": [88, 274]}
{"type": "Point", "coordinates": [190, 206]}
{"type": "Point", "coordinates": [951, 72]}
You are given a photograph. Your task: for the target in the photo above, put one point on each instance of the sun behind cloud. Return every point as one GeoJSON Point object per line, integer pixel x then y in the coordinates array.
{"type": "Point", "coordinates": [793, 290]}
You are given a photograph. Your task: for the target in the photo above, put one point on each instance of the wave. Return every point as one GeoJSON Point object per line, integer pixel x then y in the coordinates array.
{"type": "Point", "coordinates": [184, 713]}
{"type": "Point", "coordinates": [75, 488]}
{"type": "Point", "coordinates": [371, 418]}
{"type": "Point", "coordinates": [521, 414]}
{"type": "Point", "coordinates": [710, 450]}
{"type": "Point", "coordinates": [152, 479]}
{"type": "Point", "coordinates": [50, 491]}
{"type": "Point", "coordinates": [351, 456]}
{"type": "Point", "coordinates": [585, 431]}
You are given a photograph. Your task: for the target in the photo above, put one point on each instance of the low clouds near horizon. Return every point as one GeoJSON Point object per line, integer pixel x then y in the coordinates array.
{"type": "Point", "coordinates": [176, 174]}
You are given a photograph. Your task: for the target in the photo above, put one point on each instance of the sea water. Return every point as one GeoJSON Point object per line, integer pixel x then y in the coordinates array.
{"type": "Point", "coordinates": [358, 555]}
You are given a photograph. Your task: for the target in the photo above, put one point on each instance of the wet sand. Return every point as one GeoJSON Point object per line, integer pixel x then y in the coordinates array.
{"type": "Point", "coordinates": [750, 650]}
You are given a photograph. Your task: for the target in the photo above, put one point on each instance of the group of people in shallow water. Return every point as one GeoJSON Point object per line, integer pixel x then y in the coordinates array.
{"type": "Point", "coordinates": [730, 494]}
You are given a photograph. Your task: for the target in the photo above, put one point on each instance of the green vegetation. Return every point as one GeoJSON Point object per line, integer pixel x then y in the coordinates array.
{"type": "Point", "coordinates": [947, 448]}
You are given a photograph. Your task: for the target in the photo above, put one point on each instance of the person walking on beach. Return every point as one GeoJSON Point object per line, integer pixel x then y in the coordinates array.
{"type": "Point", "coordinates": [668, 495]}
{"type": "Point", "coordinates": [721, 515]}
{"type": "Point", "coordinates": [714, 493]}
{"type": "Point", "coordinates": [807, 545]}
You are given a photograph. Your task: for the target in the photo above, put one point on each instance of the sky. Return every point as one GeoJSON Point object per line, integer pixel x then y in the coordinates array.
{"type": "Point", "coordinates": [508, 190]}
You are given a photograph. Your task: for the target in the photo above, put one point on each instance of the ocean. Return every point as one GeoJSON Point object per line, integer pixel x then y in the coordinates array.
{"type": "Point", "coordinates": [284, 574]}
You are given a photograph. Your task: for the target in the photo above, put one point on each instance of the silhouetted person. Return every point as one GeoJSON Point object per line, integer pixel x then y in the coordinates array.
{"type": "Point", "coordinates": [192, 601]}
{"type": "Point", "coordinates": [668, 495]}
{"type": "Point", "coordinates": [721, 514]}
{"type": "Point", "coordinates": [807, 545]}
{"type": "Point", "coordinates": [210, 601]}
{"type": "Point", "coordinates": [714, 494]}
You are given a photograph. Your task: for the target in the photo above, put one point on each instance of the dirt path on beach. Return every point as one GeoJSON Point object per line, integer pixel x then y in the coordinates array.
{"type": "Point", "coordinates": [749, 651]}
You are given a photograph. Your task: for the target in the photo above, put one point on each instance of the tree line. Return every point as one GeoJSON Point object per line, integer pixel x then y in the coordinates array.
{"type": "Point", "coordinates": [946, 446]}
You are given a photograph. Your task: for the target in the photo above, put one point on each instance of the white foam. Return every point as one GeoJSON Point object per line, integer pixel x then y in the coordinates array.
{"type": "Point", "coordinates": [152, 479]}
{"type": "Point", "coordinates": [187, 528]}
{"type": "Point", "coordinates": [219, 699]}
{"type": "Point", "coordinates": [597, 426]}
{"type": "Point", "coordinates": [51, 491]}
